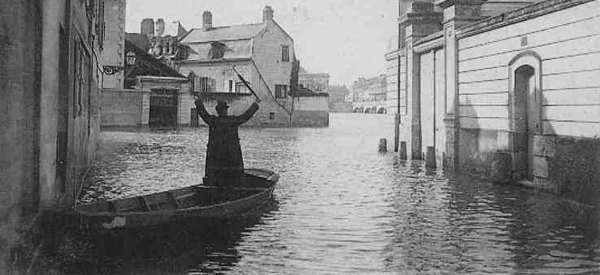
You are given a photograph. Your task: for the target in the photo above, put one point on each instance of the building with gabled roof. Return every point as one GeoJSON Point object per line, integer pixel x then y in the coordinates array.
{"type": "Point", "coordinates": [263, 53]}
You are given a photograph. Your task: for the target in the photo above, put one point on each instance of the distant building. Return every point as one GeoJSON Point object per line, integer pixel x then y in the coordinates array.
{"type": "Point", "coordinates": [164, 40]}
{"type": "Point", "coordinates": [503, 90]}
{"type": "Point", "coordinates": [264, 55]}
{"type": "Point", "coordinates": [338, 102]}
{"type": "Point", "coordinates": [369, 95]}
{"type": "Point", "coordinates": [316, 82]}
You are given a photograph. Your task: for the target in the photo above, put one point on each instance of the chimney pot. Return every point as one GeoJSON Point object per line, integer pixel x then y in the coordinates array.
{"type": "Point", "coordinates": [147, 27]}
{"type": "Point", "coordinates": [206, 20]}
{"type": "Point", "coordinates": [160, 27]}
{"type": "Point", "coordinates": [267, 13]}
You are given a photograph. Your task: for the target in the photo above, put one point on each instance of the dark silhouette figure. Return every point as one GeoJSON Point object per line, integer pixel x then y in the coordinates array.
{"type": "Point", "coordinates": [224, 163]}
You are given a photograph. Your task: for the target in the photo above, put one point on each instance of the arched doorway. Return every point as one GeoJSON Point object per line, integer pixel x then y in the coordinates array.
{"type": "Point", "coordinates": [524, 85]}
{"type": "Point", "coordinates": [526, 113]}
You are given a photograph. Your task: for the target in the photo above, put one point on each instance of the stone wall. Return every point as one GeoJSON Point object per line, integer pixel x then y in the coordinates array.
{"type": "Point", "coordinates": [20, 61]}
{"type": "Point", "coordinates": [310, 111]}
{"type": "Point", "coordinates": [122, 107]}
{"type": "Point", "coordinates": [114, 41]}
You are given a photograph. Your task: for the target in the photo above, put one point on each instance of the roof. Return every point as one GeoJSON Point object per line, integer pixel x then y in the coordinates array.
{"type": "Point", "coordinates": [146, 64]}
{"type": "Point", "coordinates": [236, 32]}
{"type": "Point", "coordinates": [139, 40]}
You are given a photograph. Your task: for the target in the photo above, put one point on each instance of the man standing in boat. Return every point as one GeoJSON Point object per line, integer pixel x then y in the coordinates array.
{"type": "Point", "coordinates": [224, 163]}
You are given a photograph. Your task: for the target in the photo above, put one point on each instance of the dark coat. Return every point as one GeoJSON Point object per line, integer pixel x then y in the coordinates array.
{"type": "Point", "coordinates": [223, 149]}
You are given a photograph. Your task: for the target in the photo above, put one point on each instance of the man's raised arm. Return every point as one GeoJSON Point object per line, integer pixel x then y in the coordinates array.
{"type": "Point", "coordinates": [202, 112]}
{"type": "Point", "coordinates": [248, 113]}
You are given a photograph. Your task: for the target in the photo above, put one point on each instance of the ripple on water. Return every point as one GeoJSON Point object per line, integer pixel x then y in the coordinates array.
{"type": "Point", "coordinates": [345, 209]}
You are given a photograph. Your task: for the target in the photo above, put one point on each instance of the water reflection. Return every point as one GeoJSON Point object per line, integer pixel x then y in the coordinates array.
{"type": "Point", "coordinates": [346, 209]}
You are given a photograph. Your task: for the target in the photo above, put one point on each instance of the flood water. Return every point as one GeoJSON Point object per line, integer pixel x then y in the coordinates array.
{"type": "Point", "coordinates": [341, 207]}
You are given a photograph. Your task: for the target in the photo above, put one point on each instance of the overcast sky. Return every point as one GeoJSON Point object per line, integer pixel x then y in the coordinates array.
{"type": "Point", "coordinates": [345, 38]}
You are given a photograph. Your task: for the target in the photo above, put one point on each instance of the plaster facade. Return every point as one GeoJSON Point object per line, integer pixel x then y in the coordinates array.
{"type": "Point", "coordinates": [50, 75]}
{"type": "Point", "coordinates": [497, 90]}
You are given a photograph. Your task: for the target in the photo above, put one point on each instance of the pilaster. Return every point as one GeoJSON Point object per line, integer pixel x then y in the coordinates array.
{"type": "Point", "coordinates": [419, 21]}
{"type": "Point", "coordinates": [456, 13]}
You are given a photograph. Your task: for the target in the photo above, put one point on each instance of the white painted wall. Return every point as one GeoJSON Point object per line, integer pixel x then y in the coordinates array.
{"type": "Point", "coordinates": [567, 42]}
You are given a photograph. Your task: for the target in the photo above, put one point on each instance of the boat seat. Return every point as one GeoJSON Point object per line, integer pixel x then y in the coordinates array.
{"type": "Point", "coordinates": [160, 201]}
{"type": "Point", "coordinates": [128, 205]}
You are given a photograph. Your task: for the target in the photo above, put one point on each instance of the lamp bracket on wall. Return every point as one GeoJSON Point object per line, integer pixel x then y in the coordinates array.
{"type": "Point", "coordinates": [110, 70]}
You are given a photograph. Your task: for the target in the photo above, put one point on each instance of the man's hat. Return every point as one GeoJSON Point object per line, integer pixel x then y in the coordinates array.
{"type": "Point", "coordinates": [221, 105]}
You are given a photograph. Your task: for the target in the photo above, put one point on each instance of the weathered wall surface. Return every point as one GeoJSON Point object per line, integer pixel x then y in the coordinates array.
{"type": "Point", "coordinates": [567, 82]}
{"type": "Point", "coordinates": [114, 41]}
{"type": "Point", "coordinates": [19, 100]}
{"type": "Point", "coordinates": [121, 107]}
{"type": "Point", "coordinates": [392, 71]}
{"type": "Point", "coordinates": [404, 135]}
{"type": "Point", "coordinates": [340, 107]}
{"type": "Point", "coordinates": [310, 111]}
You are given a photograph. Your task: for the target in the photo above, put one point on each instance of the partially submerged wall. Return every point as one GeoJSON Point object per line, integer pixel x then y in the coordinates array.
{"type": "Point", "coordinates": [310, 111]}
{"type": "Point", "coordinates": [123, 107]}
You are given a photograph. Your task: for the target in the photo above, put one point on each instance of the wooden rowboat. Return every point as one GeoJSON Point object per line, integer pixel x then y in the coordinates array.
{"type": "Point", "coordinates": [179, 205]}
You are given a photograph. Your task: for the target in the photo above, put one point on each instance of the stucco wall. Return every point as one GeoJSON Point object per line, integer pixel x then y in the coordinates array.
{"type": "Point", "coordinates": [19, 99]}
{"type": "Point", "coordinates": [392, 71]}
{"type": "Point", "coordinates": [114, 41]}
{"type": "Point", "coordinates": [121, 107]}
{"type": "Point", "coordinates": [562, 49]}
{"type": "Point", "coordinates": [566, 41]}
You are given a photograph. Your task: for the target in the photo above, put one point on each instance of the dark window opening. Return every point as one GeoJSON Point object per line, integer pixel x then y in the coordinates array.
{"type": "Point", "coordinates": [280, 91]}
{"type": "Point", "coordinates": [204, 84]}
{"type": "Point", "coordinates": [285, 53]}
{"type": "Point", "coordinates": [271, 116]}
{"type": "Point", "coordinates": [217, 50]}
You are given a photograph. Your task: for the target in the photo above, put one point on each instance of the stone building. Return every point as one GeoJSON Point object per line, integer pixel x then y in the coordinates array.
{"type": "Point", "coordinates": [51, 71]}
{"type": "Point", "coordinates": [264, 55]}
{"type": "Point", "coordinates": [316, 82]}
{"type": "Point", "coordinates": [503, 90]}
{"type": "Point", "coordinates": [151, 96]}
{"type": "Point", "coordinates": [394, 104]}
{"type": "Point", "coordinates": [369, 95]}
{"type": "Point", "coordinates": [114, 34]}
{"type": "Point", "coordinates": [337, 99]}
{"type": "Point", "coordinates": [164, 40]}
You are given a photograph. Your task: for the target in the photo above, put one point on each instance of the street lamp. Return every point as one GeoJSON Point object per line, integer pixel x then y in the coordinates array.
{"type": "Point", "coordinates": [130, 58]}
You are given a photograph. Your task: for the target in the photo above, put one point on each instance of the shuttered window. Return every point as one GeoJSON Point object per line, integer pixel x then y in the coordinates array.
{"type": "Point", "coordinates": [204, 84]}
{"type": "Point", "coordinates": [285, 53]}
{"type": "Point", "coordinates": [281, 91]}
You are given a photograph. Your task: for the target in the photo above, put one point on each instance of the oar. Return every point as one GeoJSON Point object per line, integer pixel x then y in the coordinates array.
{"type": "Point", "coordinates": [246, 83]}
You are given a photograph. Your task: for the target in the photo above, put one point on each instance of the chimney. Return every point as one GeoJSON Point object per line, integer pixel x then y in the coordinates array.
{"type": "Point", "coordinates": [147, 27]}
{"type": "Point", "coordinates": [267, 14]}
{"type": "Point", "coordinates": [206, 20]}
{"type": "Point", "coordinates": [160, 27]}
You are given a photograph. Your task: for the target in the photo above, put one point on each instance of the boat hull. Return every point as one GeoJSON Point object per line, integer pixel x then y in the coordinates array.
{"type": "Point", "coordinates": [185, 205]}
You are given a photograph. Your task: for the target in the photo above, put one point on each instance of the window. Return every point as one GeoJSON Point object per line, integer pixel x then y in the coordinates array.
{"type": "Point", "coordinates": [82, 76]}
{"type": "Point", "coordinates": [240, 88]}
{"type": "Point", "coordinates": [217, 50]}
{"type": "Point", "coordinates": [231, 86]}
{"type": "Point", "coordinates": [280, 91]}
{"type": "Point", "coordinates": [204, 84]}
{"type": "Point", "coordinates": [285, 53]}
{"type": "Point", "coordinates": [271, 116]}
